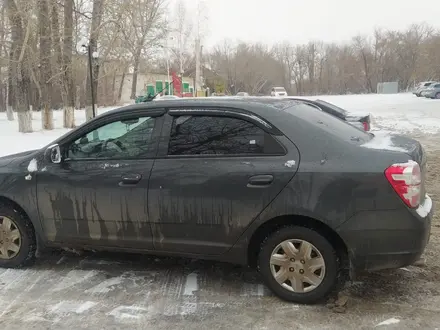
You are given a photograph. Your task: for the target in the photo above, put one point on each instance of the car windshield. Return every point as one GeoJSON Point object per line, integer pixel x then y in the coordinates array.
{"type": "Point", "coordinates": [279, 89]}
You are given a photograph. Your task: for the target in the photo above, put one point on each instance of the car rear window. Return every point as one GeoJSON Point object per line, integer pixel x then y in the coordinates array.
{"type": "Point", "coordinates": [329, 123]}
{"type": "Point", "coordinates": [333, 107]}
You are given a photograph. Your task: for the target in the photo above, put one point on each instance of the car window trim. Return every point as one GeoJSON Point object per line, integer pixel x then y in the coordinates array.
{"type": "Point", "coordinates": [226, 111]}
{"type": "Point", "coordinates": [105, 119]}
{"type": "Point", "coordinates": [217, 113]}
{"type": "Point", "coordinates": [107, 159]}
{"type": "Point", "coordinates": [224, 156]}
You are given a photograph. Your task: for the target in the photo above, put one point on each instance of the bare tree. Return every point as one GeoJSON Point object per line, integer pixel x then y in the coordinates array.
{"type": "Point", "coordinates": [4, 51]}
{"type": "Point", "coordinates": [144, 29]}
{"type": "Point", "coordinates": [69, 114]}
{"type": "Point", "coordinates": [181, 51]}
{"type": "Point", "coordinates": [45, 66]}
{"type": "Point", "coordinates": [98, 7]}
{"type": "Point", "coordinates": [20, 77]}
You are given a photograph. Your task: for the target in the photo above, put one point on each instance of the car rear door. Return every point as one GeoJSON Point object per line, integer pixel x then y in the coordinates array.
{"type": "Point", "coordinates": [216, 170]}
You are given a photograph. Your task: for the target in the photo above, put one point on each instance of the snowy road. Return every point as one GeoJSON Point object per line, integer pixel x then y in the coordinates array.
{"type": "Point", "coordinates": [65, 291]}
{"type": "Point", "coordinates": [115, 291]}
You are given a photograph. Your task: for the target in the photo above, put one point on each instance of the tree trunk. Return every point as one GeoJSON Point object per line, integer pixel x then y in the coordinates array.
{"type": "Point", "coordinates": [93, 43]}
{"type": "Point", "coordinates": [78, 97]}
{"type": "Point", "coordinates": [135, 74]}
{"type": "Point", "coordinates": [69, 114]}
{"type": "Point", "coordinates": [10, 97]}
{"type": "Point", "coordinates": [121, 86]}
{"type": "Point", "coordinates": [58, 55]}
{"type": "Point", "coordinates": [113, 88]}
{"type": "Point", "coordinates": [20, 73]}
{"type": "Point", "coordinates": [45, 66]}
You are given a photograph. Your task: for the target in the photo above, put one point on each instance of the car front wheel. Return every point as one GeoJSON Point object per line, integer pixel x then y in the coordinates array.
{"type": "Point", "coordinates": [298, 265]}
{"type": "Point", "coordinates": [17, 238]}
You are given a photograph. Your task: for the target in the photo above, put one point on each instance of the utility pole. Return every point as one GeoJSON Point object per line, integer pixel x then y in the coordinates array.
{"type": "Point", "coordinates": [168, 65]}
{"type": "Point", "coordinates": [181, 64]}
{"type": "Point", "coordinates": [89, 51]}
{"type": "Point", "coordinates": [197, 86]}
{"type": "Point", "coordinates": [198, 47]}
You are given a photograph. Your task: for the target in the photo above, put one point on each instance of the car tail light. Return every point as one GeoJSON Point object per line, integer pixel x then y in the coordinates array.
{"type": "Point", "coordinates": [366, 125]}
{"type": "Point", "coordinates": [406, 181]}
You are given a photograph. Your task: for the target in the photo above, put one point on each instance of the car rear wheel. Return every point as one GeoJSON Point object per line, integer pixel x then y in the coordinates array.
{"type": "Point", "coordinates": [298, 265]}
{"type": "Point", "coordinates": [437, 96]}
{"type": "Point", "coordinates": [17, 238]}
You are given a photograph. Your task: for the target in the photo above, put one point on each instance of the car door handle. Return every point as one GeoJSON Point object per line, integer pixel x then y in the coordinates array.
{"type": "Point", "coordinates": [130, 179]}
{"type": "Point", "coordinates": [260, 181]}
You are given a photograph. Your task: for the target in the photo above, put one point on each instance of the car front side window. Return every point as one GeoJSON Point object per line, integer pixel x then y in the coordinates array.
{"type": "Point", "coordinates": [122, 139]}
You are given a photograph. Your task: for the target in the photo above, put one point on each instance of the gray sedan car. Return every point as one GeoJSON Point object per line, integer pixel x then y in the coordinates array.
{"type": "Point", "coordinates": [433, 92]}
{"type": "Point", "coordinates": [275, 184]}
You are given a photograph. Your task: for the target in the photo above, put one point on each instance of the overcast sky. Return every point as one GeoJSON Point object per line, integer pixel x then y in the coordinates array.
{"type": "Point", "coordinates": [300, 21]}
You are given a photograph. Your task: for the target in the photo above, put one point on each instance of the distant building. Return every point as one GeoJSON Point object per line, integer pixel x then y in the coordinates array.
{"type": "Point", "coordinates": [149, 83]}
{"type": "Point", "coordinates": [388, 87]}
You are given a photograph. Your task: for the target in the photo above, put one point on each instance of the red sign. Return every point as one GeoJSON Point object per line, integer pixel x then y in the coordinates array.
{"type": "Point", "coordinates": [177, 84]}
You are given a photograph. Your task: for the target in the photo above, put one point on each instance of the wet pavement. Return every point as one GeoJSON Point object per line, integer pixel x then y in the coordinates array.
{"type": "Point", "coordinates": [111, 291]}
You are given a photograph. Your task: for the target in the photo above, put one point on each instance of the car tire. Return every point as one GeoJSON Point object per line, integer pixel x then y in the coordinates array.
{"type": "Point", "coordinates": [418, 95]}
{"type": "Point", "coordinates": [16, 233]}
{"type": "Point", "coordinates": [437, 96]}
{"type": "Point", "coordinates": [322, 251]}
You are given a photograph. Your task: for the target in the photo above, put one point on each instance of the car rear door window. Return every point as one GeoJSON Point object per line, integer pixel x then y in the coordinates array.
{"type": "Point", "coordinates": [212, 135]}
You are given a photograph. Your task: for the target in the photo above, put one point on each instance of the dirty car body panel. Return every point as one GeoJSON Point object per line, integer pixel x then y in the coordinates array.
{"type": "Point", "coordinates": [84, 200]}
{"type": "Point", "coordinates": [317, 170]}
{"type": "Point", "coordinates": [204, 202]}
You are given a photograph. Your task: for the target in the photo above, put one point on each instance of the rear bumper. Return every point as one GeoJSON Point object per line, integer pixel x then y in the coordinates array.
{"type": "Point", "coordinates": [387, 239]}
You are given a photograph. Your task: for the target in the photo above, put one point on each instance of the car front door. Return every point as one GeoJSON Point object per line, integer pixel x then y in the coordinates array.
{"type": "Point", "coordinates": [97, 195]}
{"type": "Point", "coordinates": [214, 173]}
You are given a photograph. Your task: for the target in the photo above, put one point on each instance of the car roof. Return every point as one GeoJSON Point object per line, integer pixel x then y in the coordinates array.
{"type": "Point", "coordinates": [253, 104]}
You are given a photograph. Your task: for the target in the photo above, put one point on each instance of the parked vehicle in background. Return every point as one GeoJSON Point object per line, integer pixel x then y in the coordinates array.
{"type": "Point", "coordinates": [275, 184]}
{"type": "Point", "coordinates": [278, 91]}
{"type": "Point", "coordinates": [421, 87]}
{"type": "Point", "coordinates": [362, 121]}
{"type": "Point", "coordinates": [244, 94]}
{"type": "Point", "coordinates": [432, 92]}
{"type": "Point", "coordinates": [166, 97]}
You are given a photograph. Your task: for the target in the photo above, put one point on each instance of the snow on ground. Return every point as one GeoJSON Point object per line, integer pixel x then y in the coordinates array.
{"type": "Point", "coordinates": [13, 141]}
{"type": "Point", "coordinates": [401, 113]}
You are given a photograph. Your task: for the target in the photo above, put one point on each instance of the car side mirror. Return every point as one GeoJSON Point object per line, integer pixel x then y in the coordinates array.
{"type": "Point", "coordinates": [54, 153]}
